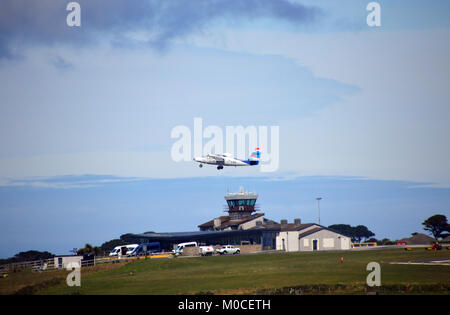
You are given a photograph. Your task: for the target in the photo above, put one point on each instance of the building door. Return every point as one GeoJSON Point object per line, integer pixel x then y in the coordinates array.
{"type": "Point", "coordinates": [284, 245]}
{"type": "Point", "coordinates": [314, 244]}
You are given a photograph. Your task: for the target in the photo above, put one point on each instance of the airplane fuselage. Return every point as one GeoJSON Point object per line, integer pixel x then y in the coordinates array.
{"type": "Point", "coordinates": [226, 161]}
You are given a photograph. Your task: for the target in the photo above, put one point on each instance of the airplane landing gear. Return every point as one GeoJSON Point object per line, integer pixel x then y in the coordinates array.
{"type": "Point", "coordinates": [220, 167]}
{"type": "Point", "coordinates": [200, 165]}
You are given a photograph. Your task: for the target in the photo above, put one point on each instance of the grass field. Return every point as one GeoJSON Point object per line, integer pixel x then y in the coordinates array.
{"type": "Point", "coordinates": [263, 273]}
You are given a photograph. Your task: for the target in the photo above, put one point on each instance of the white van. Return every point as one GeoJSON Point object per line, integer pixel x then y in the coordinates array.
{"type": "Point", "coordinates": [181, 246]}
{"type": "Point", "coordinates": [117, 249]}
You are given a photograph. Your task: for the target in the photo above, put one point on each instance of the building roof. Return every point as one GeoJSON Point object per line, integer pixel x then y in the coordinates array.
{"type": "Point", "coordinates": [292, 227]}
{"type": "Point", "coordinates": [225, 221]}
{"type": "Point", "coordinates": [241, 195]}
{"type": "Point", "coordinates": [418, 239]}
{"type": "Point", "coordinates": [178, 237]}
{"type": "Point", "coordinates": [211, 222]}
{"type": "Point", "coordinates": [295, 227]}
{"type": "Point", "coordinates": [285, 227]}
{"type": "Point", "coordinates": [312, 231]}
{"type": "Point", "coordinates": [318, 229]}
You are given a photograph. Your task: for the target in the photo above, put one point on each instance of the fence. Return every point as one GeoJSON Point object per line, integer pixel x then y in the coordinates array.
{"type": "Point", "coordinates": [49, 264]}
{"type": "Point", "coordinates": [34, 265]}
{"type": "Point", "coordinates": [368, 244]}
{"type": "Point", "coordinates": [243, 249]}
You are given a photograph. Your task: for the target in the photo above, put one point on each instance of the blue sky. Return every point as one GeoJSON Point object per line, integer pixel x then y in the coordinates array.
{"type": "Point", "coordinates": [86, 113]}
{"type": "Point", "coordinates": [73, 210]}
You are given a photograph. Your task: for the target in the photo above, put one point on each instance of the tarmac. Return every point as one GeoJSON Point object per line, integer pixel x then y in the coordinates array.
{"type": "Point", "coordinates": [429, 261]}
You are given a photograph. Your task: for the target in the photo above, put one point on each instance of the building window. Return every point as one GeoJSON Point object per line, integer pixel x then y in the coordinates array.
{"type": "Point", "coordinates": [231, 203]}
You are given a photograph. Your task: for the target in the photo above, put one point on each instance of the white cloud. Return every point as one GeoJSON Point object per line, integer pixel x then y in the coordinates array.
{"type": "Point", "coordinates": [20, 171]}
{"type": "Point", "coordinates": [396, 127]}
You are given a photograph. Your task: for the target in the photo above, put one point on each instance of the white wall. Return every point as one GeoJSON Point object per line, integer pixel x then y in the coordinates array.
{"type": "Point", "coordinates": [346, 243]}
{"type": "Point", "coordinates": [326, 240]}
{"type": "Point", "coordinates": [66, 260]}
{"type": "Point", "coordinates": [252, 223]}
{"type": "Point", "coordinates": [291, 239]}
{"type": "Point", "coordinates": [279, 240]}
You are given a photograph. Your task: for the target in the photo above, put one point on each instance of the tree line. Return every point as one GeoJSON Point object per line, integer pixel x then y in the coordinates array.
{"type": "Point", "coordinates": [436, 225]}
{"type": "Point", "coordinates": [356, 233]}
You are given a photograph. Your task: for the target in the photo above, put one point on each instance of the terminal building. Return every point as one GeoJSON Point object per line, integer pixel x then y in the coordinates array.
{"type": "Point", "coordinates": [244, 224]}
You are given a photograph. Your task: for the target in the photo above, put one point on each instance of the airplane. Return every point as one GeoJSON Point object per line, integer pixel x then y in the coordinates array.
{"type": "Point", "coordinates": [226, 159]}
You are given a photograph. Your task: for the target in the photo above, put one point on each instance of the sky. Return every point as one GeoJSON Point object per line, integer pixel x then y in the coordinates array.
{"type": "Point", "coordinates": [86, 114]}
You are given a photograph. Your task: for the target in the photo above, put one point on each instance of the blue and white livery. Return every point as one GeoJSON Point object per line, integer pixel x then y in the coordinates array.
{"type": "Point", "coordinates": [226, 159]}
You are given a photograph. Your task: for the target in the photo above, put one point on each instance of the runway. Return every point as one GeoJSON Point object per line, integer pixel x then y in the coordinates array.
{"type": "Point", "coordinates": [430, 261]}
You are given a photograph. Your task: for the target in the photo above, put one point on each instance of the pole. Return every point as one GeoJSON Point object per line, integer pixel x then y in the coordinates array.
{"type": "Point", "coordinates": [318, 204]}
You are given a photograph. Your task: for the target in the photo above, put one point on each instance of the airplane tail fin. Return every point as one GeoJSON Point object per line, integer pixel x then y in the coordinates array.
{"type": "Point", "coordinates": [254, 157]}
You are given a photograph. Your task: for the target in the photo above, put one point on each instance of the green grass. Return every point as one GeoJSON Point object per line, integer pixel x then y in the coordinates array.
{"type": "Point", "coordinates": [247, 273]}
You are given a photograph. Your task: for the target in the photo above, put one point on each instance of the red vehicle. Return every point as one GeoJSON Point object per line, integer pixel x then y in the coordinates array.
{"type": "Point", "coordinates": [436, 246]}
{"type": "Point", "coordinates": [400, 243]}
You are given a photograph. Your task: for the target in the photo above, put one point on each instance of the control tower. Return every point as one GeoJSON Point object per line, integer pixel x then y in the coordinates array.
{"type": "Point", "coordinates": [241, 204]}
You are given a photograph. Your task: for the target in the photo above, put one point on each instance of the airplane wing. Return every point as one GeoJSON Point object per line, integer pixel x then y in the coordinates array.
{"type": "Point", "coordinates": [216, 157]}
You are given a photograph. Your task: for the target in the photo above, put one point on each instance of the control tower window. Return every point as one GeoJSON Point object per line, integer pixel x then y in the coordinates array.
{"type": "Point", "coordinates": [241, 202]}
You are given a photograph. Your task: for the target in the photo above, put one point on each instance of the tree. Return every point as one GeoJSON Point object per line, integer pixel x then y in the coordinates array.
{"type": "Point", "coordinates": [355, 233]}
{"type": "Point", "coordinates": [344, 229]}
{"type": "Point", "coordinates": [128, 238]}
{"type": "Point", "coordinates": [89, 250]}
{"type": "Point", "coordinates": [437, 225]}
{"type": "Point", "coordinates": [362, 232]}
{"type": "Point", "coordinates": [30, 255]}
{"type": "Point", "coordinates": [386, 241]}
{"type": "Point", "coordinates": [110, 245]}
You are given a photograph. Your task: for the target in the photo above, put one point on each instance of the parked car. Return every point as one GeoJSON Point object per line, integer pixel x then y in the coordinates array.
{"type": "Point", "coordinates": [124, 250]}
{"type": "Point", "coordinates": [228, 249]}
{"type": "Point", "coordinates": [206, 250]}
